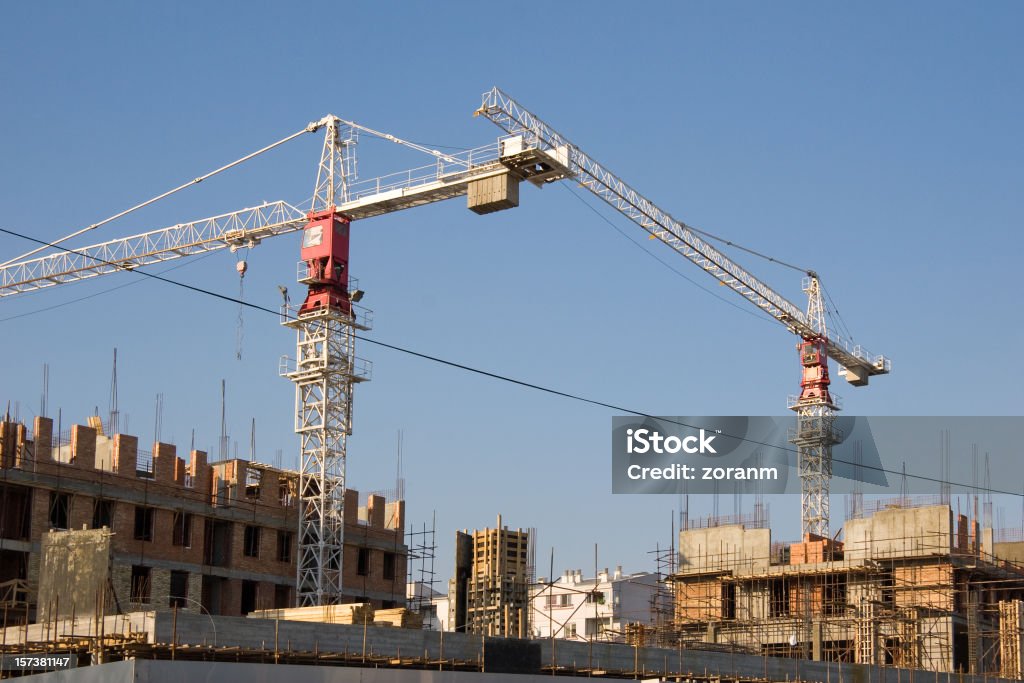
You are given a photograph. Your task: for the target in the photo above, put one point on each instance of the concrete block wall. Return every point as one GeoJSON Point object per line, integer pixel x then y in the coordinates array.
{"type": "Point", "coordinates": [259, 633]}
{"type": "Point", "coordinates": [35, 561]}
{"type": "Point", "coordinates": [732, 547]}
{"type": "Point", "coordinates": [121, 584]}
{"type": "Point", "coordinates": [202, 629]}
{"type": "Point", "coordinates": [195, 592]}
{"type": "Point", "coordinates": [900, 532]}
{"type": "Point", "coordinates": [159, 589]}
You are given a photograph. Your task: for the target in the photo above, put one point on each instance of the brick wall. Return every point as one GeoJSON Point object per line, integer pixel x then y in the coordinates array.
{"type": "Point", "coordinates": [166, 494]}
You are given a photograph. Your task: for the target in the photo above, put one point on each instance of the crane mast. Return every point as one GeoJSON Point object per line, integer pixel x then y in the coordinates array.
{"type": "Point", "coordinates": [324, 371]}
{"type": "Point", "coordinates": [815, 431]}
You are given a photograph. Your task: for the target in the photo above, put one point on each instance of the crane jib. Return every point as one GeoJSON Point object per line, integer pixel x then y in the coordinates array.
{"type": "Point", "coordinates": [515, 119]}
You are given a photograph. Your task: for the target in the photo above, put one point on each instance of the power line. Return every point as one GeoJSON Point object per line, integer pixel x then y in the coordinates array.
{"type": "Point", "coordinates": [96, 294]}
{"type": "Point", "coordinates": [200, 257]}
{"type": "Point", "coordinates": [489, 374]}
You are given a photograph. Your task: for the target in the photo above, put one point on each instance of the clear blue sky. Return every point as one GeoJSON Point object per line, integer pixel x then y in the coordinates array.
{"type": "Point", "coordinates": [879, 144]}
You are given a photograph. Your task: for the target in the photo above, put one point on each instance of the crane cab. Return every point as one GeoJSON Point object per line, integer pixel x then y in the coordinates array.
{"type": "Point", "coordinates": [325, 246]}
{"type": "Point", "coordinates": [811, 353]}
{"type": "Point", "coordinates": [814, 380]}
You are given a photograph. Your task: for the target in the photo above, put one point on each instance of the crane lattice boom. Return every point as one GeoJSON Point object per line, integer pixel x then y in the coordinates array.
{"type": "Point", "coordinates": [517, 120]}
{"type": "Point", "coordinates": [446, 178]}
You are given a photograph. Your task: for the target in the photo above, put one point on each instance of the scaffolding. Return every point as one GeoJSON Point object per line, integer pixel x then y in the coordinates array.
{"type": "Point", "coordinates": [912, 586]}
{"type": "Point", "coordinates": [422, 545]}
{"type": "Point", "coordinates": [662, 607]}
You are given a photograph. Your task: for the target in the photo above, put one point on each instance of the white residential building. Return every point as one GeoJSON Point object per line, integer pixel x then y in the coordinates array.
{"type": "Point", "coordinates": [580, 609]}
{"type": "Point", "coordinates": [431, 604]}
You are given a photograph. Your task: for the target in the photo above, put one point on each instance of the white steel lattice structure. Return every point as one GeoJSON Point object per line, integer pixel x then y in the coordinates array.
{"type": "Point", "coordinates": [324, 373]}
{"type": "Point", "coordinates": [815, 435]}
{"type": "Point", "coordinates": [815, 409]}
{"type": "Point", "coordinates": [245, 228]}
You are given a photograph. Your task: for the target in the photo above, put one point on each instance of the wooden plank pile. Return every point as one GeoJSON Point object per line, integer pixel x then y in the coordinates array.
{"type": "Point", "coordinates": [351, 613]}
{"type": "Point", "coordinates": [399, 617]}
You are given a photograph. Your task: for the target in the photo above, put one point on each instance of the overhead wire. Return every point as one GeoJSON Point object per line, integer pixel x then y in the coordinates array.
{"type": "Point", "coordinates": [130, 283]}
{"type": "Point", "coordinates": [37, 311]}
{"type": "Point", "coordinates": [495, 375]}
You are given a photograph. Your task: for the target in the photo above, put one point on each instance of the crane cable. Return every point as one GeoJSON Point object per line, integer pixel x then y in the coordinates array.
{"type": "Point", "coordinates": [639, 245]}
{"type": "Point", "coordinates": [754, 252]}
{"type": "Point", "coordinates": [843, 327]}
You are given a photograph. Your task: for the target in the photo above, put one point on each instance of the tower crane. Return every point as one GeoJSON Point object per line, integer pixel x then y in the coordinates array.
{"type": "Point", "coordinates": [325, 368]}
{"type": "Point", "coordinates": [815, 406]}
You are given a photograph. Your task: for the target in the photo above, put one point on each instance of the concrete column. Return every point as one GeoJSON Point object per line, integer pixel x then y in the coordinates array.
{"type": "Point", "coordinates": [375, 511]}
{"type": "Point", "coordinates": [42, 427]}
{"type": "Point", "coordinates": [83, 447]}
{"type": "Point", "coordinates": [395, 515]}
{"type": "Point", "coordinates": [12, 444]}
{"type": "Point", "coordinates": [126, 451]}
{"type": "Point", "coordinates": [351, 506]}
{"type": "Point", "coordinates": [202, 475]}
{"type": "Point", "coordinates": [164, 456]}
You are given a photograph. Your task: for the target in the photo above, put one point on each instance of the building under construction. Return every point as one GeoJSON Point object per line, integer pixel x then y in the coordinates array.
{"type": "Point", "coordinates": [219, 537]}
{"type": "Point", "coordinates": [490, 593]}
{"type": "Point", "coordinates": [911, 585]}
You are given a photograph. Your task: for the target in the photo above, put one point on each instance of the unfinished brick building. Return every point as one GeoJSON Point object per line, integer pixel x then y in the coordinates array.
{"type": "Point", "coordinates": [219, 537]}
{"type": "Point", "coordinates": [911, 585]}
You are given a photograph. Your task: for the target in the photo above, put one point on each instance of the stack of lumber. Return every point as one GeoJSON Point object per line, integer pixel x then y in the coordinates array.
{"type": "Point", "coordinates": [399, 616]}
{"type": "Point", "coordinates": [351, 613]}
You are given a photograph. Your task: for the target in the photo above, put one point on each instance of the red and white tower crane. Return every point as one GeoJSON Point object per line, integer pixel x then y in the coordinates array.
{"type": "Point", "coordinates": [815, 408]}
{"type": "Point", "coordinates": [325, 368]}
